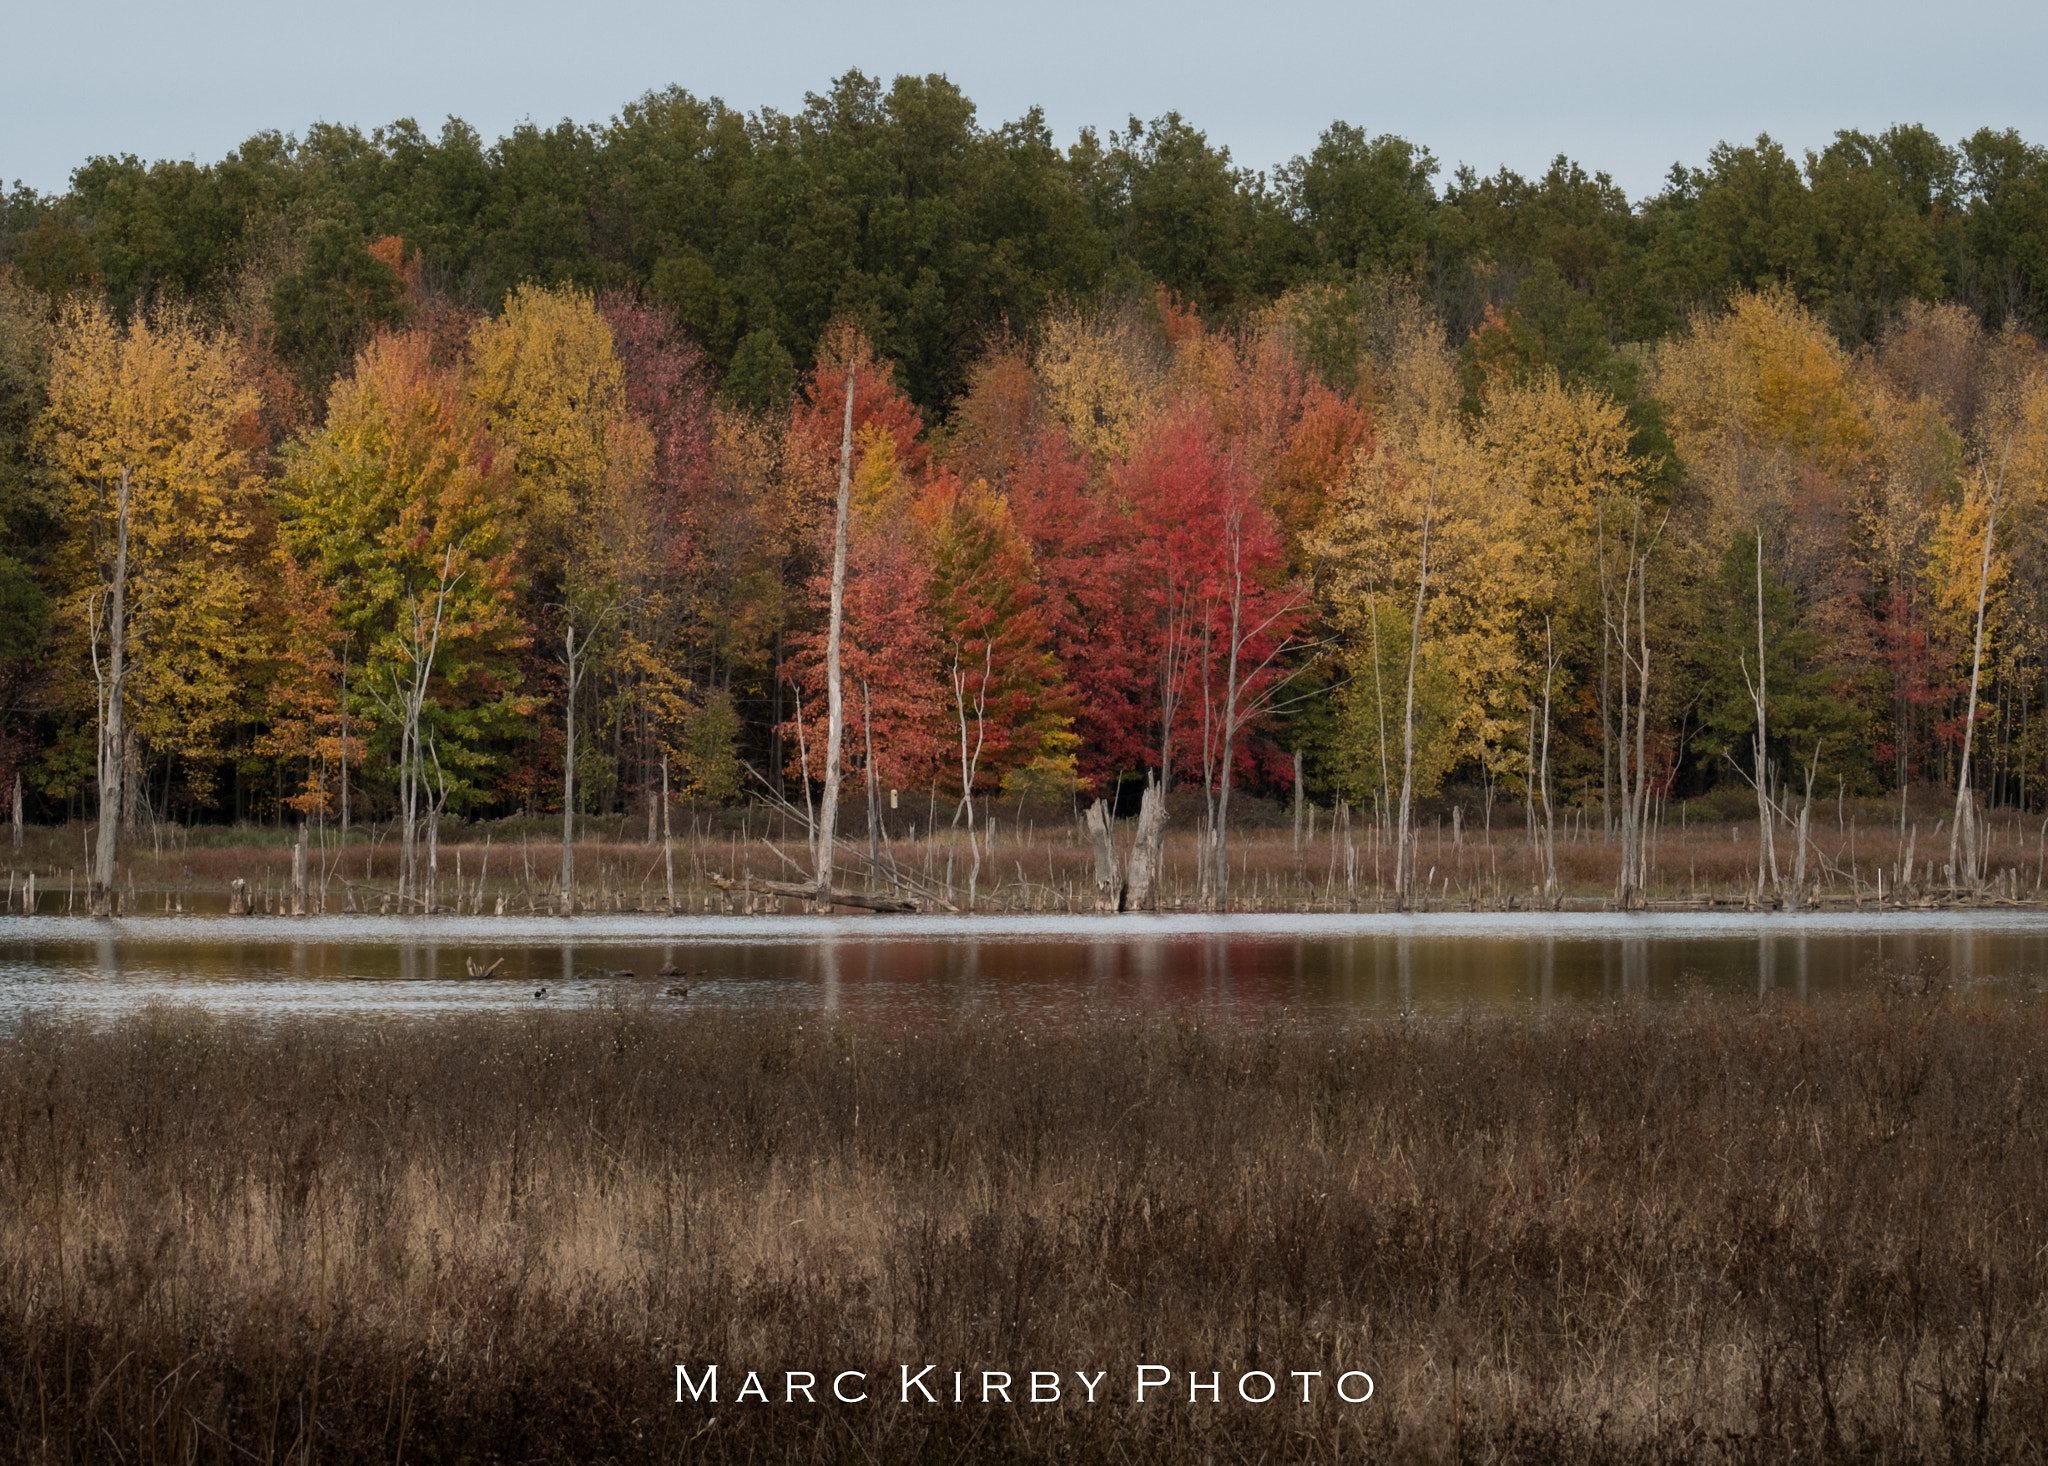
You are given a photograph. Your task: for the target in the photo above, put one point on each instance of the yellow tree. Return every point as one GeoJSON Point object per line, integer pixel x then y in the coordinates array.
{"type": "Point", "coordinates": [1560, 457]}
{"type": "Point", "coordinates": [1418, 526]}
{"type": "Point", "coordinates": [552, 388]}
{"type": "Point", "coordinates": [1773, 427]}
{"type": "Point", "coordinates": [400, 505]}
{"type": "Point", "coordinates": [149, 427]}
{"type": "Point", "coordinates": [1103, 374]}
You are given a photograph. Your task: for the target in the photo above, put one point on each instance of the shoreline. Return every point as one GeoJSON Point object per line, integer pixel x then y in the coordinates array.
{"type": "Point", "coordinates": [1656, 924]}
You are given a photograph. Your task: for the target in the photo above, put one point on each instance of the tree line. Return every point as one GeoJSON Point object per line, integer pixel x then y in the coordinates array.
{"type": "Point", "coordinates": [391, 477]}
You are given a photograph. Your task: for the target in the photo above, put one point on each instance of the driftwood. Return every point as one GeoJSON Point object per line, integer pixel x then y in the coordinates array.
{"type": "Point", "coordinates": [476, 969]}
{"type": "Point", "coordinates": [863, 900]}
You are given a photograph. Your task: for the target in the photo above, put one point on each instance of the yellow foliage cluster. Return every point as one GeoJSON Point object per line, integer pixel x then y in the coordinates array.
{"type": "Point", "coordinates": [1518, 505]}
{"type": "Point", "coordinates": [163, 400]}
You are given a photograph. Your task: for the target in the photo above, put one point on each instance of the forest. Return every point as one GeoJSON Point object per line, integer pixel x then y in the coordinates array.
{"type": "Point", "coordinates": [394, 477]}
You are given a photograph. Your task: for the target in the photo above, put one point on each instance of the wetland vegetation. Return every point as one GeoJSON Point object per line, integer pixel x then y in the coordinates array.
{"type": "Point", "coordinates": [1714, 1231]}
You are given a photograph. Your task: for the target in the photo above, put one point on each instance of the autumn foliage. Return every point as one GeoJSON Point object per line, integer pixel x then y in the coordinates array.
{"type": "Point", "coordinates": [1143, 544]}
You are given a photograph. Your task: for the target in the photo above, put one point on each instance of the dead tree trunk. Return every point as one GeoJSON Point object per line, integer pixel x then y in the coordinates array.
{"type": "Point", "coordinates": [1766, 841]}
{"type": "Point", "coordinates": [405, 707]}
{"type": "Point", "coordinates": [1962, 835]}
{"type": "Point", "coordinates": [835, 701]}
{"type": "Point", "coordinates": [1108, 887]}
{"type": "Point", "coordinates": [574, 667]}
{"type": "Point", "coordinates": [1146, 850]}
{"type": "Point", "coordinates": [1404, 873]}
{"type": "Point", "coordinates": [1550, 888]}
{"type": "Point", "coordinates": [1798, 894]}
{"type": "Point", "coordinates": [1231, 694]}
{"type": "Point", "coordinates": [970, 761]}
{"type": "Point", "coordinates": [668, 848]}
{"type": "Point", "coordinates": [112, 692]}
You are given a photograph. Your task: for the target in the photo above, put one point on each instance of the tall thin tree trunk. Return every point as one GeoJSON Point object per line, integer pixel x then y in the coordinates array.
{"type": "Point", "coordinates": [17, 809]}
{"type": "Point", "coordinates": [1606, 688]}
{"type": "Point", "coordinates": [668, 848]}
{"type": "Point", "coordinates": [835, 702]}
{"type": "Point", "coordinates": [1766, 841]}
{"type": "Point", "coordinates": [867, 725]}
{"type": "Point", "coordinates": [133, 791]}
{"type": "Point", "coordinates": [1625, 891]}
{"type": "Point", "coordinates": [1230, 691]}
{"type": "Point", "coordinates": [1549, 813]}
{"type": "Point", "coordinates": [1385, 803]}
{"type": "Point", "coordinates": [1403, 866]}
{"type": "Point", "coordinates": [1297, 811]}
{"type": "Point", "coordinates": [1640, 815]}
{"type": "Point", "coordinates": [344, 748]}
{"type": "Point", "coordinates": [569, 775]}
{"type": "Point", "coordinates": [1962, 835]}
{"type": "Point", "coordinates": [112, 733]}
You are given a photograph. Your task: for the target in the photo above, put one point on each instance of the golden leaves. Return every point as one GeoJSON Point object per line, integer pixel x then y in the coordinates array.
{"type": "Point", "coordinates": [547, 374]}
{"type": "Point", "coordinates": [164, 399]}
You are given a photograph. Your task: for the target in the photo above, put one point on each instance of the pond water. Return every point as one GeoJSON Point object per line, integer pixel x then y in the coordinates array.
{"type": "Point", "coordinates": [918, 969]}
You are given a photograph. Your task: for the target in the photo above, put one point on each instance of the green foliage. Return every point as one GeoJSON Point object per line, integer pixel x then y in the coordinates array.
{"type": "Point", "coordinates": [708, 751]}
{"type": "Point", "coordinates": [24, 613]}
{"type": "Point", "coordinates": [1801, 700]}
{"type": "Point", "coordinates": [763, 374]}
{"type": "Point", "coordinates": [1367, 203]}
{"type": "Point", "coordinates": [29, 488]}
{"type": "Point", "coordinates": [895, 206]}
{"type": "Point", "coordinates": [1371, 743]}
{"type": "Point", "coordinates": [325, 311]}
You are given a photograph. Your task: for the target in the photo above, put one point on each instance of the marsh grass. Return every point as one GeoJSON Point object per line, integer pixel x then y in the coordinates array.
{"type": "Point", "coordinates": [1040, 861]}
{"type": "Point", "coordinates": [1708, 1232]}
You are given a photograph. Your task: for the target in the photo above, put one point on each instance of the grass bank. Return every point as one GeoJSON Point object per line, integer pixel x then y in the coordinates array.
{"type": "Point", "coordinates": [1702, 1233]}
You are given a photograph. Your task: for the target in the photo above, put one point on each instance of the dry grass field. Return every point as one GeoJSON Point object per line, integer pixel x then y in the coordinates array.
{"type": "Point", "coordinates": [1704, 1232]}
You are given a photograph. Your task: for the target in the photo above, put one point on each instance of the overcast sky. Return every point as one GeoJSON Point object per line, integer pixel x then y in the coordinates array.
{"type": "Point", "coordinates": [1627, 88]}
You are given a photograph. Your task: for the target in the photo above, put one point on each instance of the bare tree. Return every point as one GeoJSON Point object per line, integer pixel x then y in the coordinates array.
{"type": "Point", "coordinates": [1962, 835]}
{"type": "Point", "coordinates": [835, 722]}
{"type": "Point", "coordinates": [1247, 695]}
{"type": "Point", "coordinates": [111, 693]}
{"type": "Point", "coordinates": [1766, 841]}
{"type": "Point", "coordinates": [1550, 665]}
{"type": "Point", "coordinates": [1404, 873]}
{"type": "Point", "coordinates": [574, 666]}
{"type": "Point", "coordinates": [1632, 764]}
{"type": "Point", "coordinates": [668, 849]}
{"type": "Point", "coordinates": [405, 704]}
{"type": "Point", "coordinates": [1173, 656]}
{"type": "Point", "coordinates": [971, 745]}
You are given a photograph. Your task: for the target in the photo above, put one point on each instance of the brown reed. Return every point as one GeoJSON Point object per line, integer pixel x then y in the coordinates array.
{"type": "Point", "coordinates": [1704, 1232]}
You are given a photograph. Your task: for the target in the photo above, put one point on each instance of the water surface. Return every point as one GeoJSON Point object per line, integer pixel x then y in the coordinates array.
{"type": "Point", "coordinates": [910, 969]}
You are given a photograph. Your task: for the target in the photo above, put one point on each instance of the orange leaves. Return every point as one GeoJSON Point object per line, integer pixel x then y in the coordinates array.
{"type": "Point", "coordinates": [1324, 439]}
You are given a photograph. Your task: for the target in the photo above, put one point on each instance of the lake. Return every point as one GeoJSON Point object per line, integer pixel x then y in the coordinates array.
{"type": "Point", "coordinates": [922, 969]}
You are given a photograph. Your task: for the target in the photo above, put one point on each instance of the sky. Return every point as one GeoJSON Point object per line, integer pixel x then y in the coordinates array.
{"type": "Point", "coordinates": [1624, 88]}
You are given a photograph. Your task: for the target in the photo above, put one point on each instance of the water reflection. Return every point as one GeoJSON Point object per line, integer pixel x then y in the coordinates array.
{"type": "Point", "coordinates": [919, 969]}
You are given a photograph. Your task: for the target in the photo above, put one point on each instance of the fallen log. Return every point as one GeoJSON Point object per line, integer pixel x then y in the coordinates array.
{"type": "Point", "coordinates": [861, 900]}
